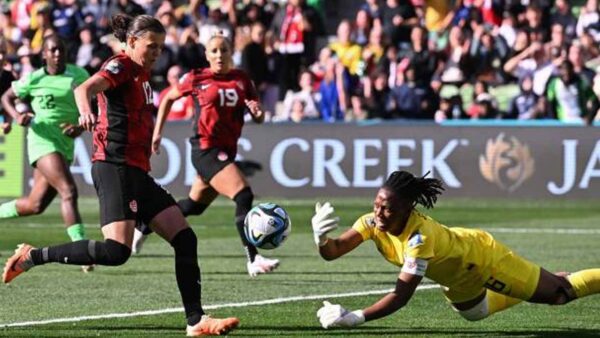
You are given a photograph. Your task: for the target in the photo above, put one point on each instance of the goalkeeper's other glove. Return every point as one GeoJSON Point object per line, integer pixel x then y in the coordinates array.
{"type": "Point", "coordinates": [323, 222]}
{"type": "Point", "coordinates": [334, 315]}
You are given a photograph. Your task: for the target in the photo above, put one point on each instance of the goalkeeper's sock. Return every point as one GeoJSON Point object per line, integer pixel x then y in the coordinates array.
{"type": "Point", "coordinates": [585, 282]}
{"type": "Point", "coordinates": [498, 302]}
{"type": "Point", "coordinates": [9, 209]}
{"type": "Point", "coordinates": [76, 232]}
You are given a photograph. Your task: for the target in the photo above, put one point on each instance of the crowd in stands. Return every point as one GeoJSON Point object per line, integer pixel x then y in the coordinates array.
{"type": "Point", "coordinates": [394, 59]}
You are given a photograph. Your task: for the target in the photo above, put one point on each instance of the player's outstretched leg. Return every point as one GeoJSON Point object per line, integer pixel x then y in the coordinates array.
{"type": "Point", "coordinates": [18, 263]}
{"type": "Point", "coordinates": [256, 264]}
{"type": "Point", "coordinates": [585, 282]}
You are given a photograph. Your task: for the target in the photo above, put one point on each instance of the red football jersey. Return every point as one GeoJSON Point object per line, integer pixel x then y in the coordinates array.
{"type": "Point", "coordinates": [126, 114]}
{"type": "Point", "coordinates": [221, 99]}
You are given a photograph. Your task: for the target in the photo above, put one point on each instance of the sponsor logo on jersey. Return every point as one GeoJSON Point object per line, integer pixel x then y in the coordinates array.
{"type": "Point", "coordinates": [204, 86]}
{"type": "Point", "coordinates": [133, 205]}
{"type": "Point", "coordinates": [415, 240]}
{"type": "Point", "coordinates": [222, 156]}
{"type": "Point", "coordinates": [507, 163]}
{"type": "Point", "coordinates": [114, 67]}
{"type": "Point", "coordinates": [370, 221]}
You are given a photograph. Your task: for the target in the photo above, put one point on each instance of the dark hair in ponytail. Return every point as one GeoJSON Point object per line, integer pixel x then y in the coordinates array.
{"type": "Point", "coordinates": [123, 26]}
{"type": "Point", "coordinates": [417, 190]}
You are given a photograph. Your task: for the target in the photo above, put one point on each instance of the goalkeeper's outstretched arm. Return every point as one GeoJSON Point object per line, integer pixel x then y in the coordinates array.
{"type": "Point", "coordinates": [392, 302]}
{"type": "Point", "coordinates": [337, 247]}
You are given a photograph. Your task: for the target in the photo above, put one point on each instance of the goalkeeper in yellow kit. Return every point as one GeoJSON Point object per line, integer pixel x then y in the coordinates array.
{"type": "Point", "coordinates": [479, 275]}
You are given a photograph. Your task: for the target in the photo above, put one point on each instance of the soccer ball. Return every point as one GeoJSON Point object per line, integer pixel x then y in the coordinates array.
{"type": "Point", "coordinates": [267, 225]}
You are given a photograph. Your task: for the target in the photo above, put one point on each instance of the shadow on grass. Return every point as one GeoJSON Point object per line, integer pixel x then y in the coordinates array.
{"type": "Point", "coordinates": [392, 332]}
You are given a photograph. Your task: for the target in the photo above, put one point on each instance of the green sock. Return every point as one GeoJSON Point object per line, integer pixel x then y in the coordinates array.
{"type": "Point", "coordinates": [76, 232]}
{"type": "Point", "coordinates": [9, 209]}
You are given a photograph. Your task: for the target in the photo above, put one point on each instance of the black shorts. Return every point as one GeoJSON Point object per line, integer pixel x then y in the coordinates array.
{"type": "Point", "coordinates": [208, 162]}
{"type": "Point", "coordinates": [128, 193]}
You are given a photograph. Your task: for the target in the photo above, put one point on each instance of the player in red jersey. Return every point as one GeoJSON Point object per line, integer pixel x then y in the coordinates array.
{"type": "Point", "coordinates": [121, 161]}
{"type": "Point", "coordinates": [223, 95]}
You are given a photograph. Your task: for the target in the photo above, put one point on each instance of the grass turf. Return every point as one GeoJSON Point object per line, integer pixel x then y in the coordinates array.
{"type": "Point", "coordinates": [147, 281]}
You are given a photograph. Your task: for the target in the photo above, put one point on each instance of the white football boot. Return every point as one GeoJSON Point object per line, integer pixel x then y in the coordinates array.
{"type": "Point", "coordinates": [261, 265]}
{"type": "Point", "coordinates": [138, 241]}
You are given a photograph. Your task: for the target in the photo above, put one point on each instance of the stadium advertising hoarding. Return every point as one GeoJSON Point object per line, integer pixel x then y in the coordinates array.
{"type": "Point", "coordinates": [349, 160]}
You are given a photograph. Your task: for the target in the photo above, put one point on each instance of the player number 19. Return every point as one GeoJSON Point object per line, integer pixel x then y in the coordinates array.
{"type": "Point", "coordinates": [228, 97]}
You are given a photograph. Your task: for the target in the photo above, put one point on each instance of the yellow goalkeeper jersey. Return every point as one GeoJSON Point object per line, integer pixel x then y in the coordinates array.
{"type": "Point", "coordinates": [454, 256]}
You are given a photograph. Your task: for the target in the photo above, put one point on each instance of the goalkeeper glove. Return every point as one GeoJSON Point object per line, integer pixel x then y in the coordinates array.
{"type": "Point", "coordinates": [323, 222]}
{"type": "Point", "coordinates": [334, 315]}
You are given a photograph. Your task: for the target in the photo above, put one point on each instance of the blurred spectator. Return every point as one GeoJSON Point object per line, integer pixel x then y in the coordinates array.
{"type": "Point", "coordinates": [378, 97]}
{"type": "Point", "coordinates": [349, 55]}
{"type": "Point", "coordinates": [575, 56]}
{"type": "Point", "coordinates": [90, 54]}
{"type": "Point", "coordinates": [373, 51]}
{"type": "Point", "coordinates": [374, 10]}
{"type": "Point", "coordinates": [25, 64]}
{"type": "Point", "coordinates": [484, 105]}
{"type": "Point", "coordinates": [306, 95]}
{"type": "Point", "coordinates": [450, 108]}
{"type": "Point", "coordinates": [533, 23]}
{"type": "Point", "coordinates": [298, 111]}
{"type": "Point", "coordinates": [254, 58]}
{"type": "Point", "coordinates": [438, 15]}
{"type": "Point", "coordinates": [11, 33]}
{"type": "Point", "coordinates": [411, 100]}
{"type": "Point", "coordinates": [330, 108]}
{"type": "Point", "coordinates": [589, 20]}
{"type": "Point", "coordinates": [191, 51]}
{"type": "Point", "coordinates": [589, 45]}
{"type": "Point", "coordinates": [66, 20]}
{"type": "Point", "coordinates": [453, 71]}
{"type": "Point", "coordinates": [319, 67]}
{"type": "Point", "coordinates": [43, 27]}
{"type": "Point", "coordinates": [182, 108]}
{"type": "Point", "coordinates": [270, 95]}
{"type": "Point", "coordinates": [297, 27]}
{"type": "Point", "coordinates": [362, 27]}
{"type": "Point", "coordinates": [128, 7]}
{"type": "Point", "coordinates": [532, 60]}
{"type": "Point", "coordinates": [96, 12]}
{"type": "Point", "coordinates": [508, 29]}
{"type": "Point", "coordinates": [563, 16]}
{"type": "Point", "coordinates": [488, 51]}
{"type": "Point", "coordinates": [398, 17]}
{"type": "Point", "coordinates": [526, 105]}
{"type": "Point", "coordinates": [570, 98]}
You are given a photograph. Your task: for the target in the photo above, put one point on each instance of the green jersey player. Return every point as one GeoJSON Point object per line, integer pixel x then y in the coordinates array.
{"type": "Point", "coordinates": [53, 127]}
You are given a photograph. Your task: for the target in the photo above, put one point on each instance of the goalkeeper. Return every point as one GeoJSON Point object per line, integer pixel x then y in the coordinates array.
{"type": "Point", "coordinates": [479, 275]}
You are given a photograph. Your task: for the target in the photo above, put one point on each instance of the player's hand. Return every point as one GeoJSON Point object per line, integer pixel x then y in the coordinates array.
{"type": "Point", "coordinates": [71, 130]}
{"type": "Point", "coordinates": [254, 108]}
{"type": "Point", "coordinates": [25, 119]}
{"type": "Point", "coordinates": [156, 140]}
{"type": "Point", "coordinates": [323, 222]}
{"type": "Point", "coordinates": [334, 315]}
{"type": "Point", "coordinates": [87, 121]}
{"type": "Point", "coordinates": [6, 127]}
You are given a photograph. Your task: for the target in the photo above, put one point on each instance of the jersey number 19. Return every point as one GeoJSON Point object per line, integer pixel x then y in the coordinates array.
{"type": "Point", "coordinates": [228, 97]}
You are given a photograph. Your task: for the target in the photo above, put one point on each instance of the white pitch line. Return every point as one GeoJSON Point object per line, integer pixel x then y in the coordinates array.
{"type": "Point", "coordinates": [208, 307]}
{"type": "Point", "coordinates": [546, 231]}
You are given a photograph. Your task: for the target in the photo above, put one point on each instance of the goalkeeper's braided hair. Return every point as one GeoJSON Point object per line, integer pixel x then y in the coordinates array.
{"type": "Point", "coordinates": [417, 190]}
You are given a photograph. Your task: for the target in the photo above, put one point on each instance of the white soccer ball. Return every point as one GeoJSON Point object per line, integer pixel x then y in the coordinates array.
{"type": "Point", "coordinates": [267, 225]}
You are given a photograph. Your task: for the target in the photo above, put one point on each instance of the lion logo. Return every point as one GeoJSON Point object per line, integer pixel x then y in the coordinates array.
{"type": "Point", "coordinates": [506, 163]}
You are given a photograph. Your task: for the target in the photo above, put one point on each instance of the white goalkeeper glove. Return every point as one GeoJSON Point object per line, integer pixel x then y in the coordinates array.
{"type": "Point", "coordinates": [334, 315]}
{"type": "Point", "coordinates": [323, 222]}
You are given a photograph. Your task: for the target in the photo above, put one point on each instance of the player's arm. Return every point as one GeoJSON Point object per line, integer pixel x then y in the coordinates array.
{"type": "Point", "coordinates": [334, 315]}
{"type": "Point", "coordinates": [164, 108]}
{"type": "Point", "coordinates": [324, 222]}
{"type": "Point", "coordinates": [337, 247]}
{"type": "Point", "coordinates": [8, 103]}
{"type": "Point", "coordinates": [83, 95]}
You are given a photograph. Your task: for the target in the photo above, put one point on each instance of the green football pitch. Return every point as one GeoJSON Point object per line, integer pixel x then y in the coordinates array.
{"type": "Point", "coordinates": [140, 298]}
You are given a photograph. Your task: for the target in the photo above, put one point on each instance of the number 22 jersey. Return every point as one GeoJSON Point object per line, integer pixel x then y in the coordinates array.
{"type": "Point", "coordinates": [220, 106]}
